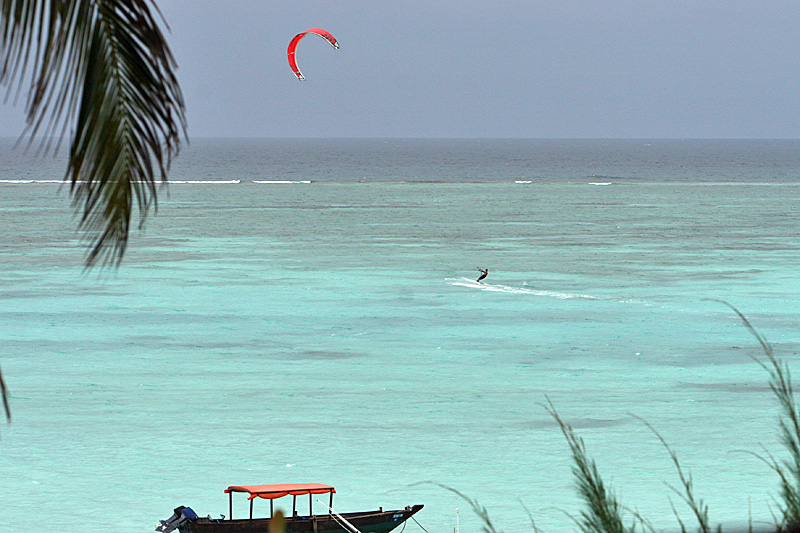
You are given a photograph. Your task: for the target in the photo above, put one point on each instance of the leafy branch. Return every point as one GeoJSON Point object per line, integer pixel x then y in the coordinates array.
{"type": "Point", "coordinates": [780, 383]}
{"type": "Point", "coordinates": [603, 513]}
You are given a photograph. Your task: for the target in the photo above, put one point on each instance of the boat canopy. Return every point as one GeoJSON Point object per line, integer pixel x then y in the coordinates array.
{"type": "Point", "coordinates": [270, 492]}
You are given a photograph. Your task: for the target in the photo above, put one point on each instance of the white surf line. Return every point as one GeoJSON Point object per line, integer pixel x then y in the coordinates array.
{"type": "Point", "coordinates": [210, 182]}
{"type": "Point", "coordinates": [25, 182]}
{"type": "Point", "coordinates": [281, 181]}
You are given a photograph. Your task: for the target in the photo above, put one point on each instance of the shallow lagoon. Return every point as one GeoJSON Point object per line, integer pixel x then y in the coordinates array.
{"type": "Point", "coordinates": [332, 332]}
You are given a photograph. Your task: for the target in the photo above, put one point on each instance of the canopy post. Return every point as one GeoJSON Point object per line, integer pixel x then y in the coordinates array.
{"type": "Point", "coordinates": [270, 508]}
{"type": "Point", "coordinates": [230, 505]}
{"type": "Point", "coordinates": [330, 507]}
{"type": "Point", "coordinates": [294, 505]}
{"type": "Point", "coordinates": [251, 509]}
{"type": "Point", "coordinates": [310, 505]}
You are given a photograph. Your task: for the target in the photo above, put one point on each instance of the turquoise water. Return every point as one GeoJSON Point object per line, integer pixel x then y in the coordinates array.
{"type": "Point", "coordinates": [333, 332]}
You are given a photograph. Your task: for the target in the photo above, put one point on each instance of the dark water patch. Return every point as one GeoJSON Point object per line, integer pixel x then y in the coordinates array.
{"type": "Point", "coordinates": [205, 346]}
{"type": "Point", "coordinates": [727, 387]}
{"type": "Point", "coordinates": [787, 348]}
{"type": "Point", "coordinates": [21, 294]}
{"type": "Point", "coordinates": [47, 347]}
{"type": "Point", "coordinates": [579, 423]}
{"type": "Point", "coordinates": [320, 355]}
{"type": "Point", "coordinates": [150, 339]}
{"type": "Point", "coordinates": [720, 274]}
{"type": "Point", "coordinates": [122, 347]}
{"type": "Point", "coordinates": [62, 290]}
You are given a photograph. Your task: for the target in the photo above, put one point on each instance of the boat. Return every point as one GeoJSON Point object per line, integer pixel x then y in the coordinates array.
{"type": "Point", "coordinates": [185, 520]}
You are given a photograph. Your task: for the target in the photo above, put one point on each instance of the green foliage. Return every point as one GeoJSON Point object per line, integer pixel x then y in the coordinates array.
{"type": "Point", "coordinates": [105, 64]}
{"type": "Point", "coordinates": [603, 514]}
{"type": "Point", "coordinates": [788, 470]}
{"type": "Point", "coordinates": [4, 394]}
{"type": "Point", "coordinates": [699, 508]}
{"type": "Point", "coordinates": [477, 508]}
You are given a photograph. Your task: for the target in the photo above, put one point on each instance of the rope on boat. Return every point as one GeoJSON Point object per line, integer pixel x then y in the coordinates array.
{"type": "Point", "coordinates": [420, 525]}
{"type": "Point", "coordinates": [339, 518]}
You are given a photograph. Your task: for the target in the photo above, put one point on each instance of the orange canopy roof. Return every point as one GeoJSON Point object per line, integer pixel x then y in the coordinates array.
{"type": "Point", "coordinates": [270, 492]}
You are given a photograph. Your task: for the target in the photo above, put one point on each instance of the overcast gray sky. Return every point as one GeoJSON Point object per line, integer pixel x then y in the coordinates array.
{"type": "Point", "coordinates": [532, 68]}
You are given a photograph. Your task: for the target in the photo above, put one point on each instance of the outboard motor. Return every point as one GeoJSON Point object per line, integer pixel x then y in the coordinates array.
{"type": "Point", "coordinates": [179, 516]}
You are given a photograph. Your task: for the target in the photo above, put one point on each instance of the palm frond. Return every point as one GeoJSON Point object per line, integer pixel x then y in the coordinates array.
{"type": "Point", "coordinates": [4, 394]}
{"type": "Point", "coordinates": [105, 64]}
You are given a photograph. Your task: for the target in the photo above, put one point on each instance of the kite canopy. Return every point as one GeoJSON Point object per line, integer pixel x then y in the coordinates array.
{"type": "Point", "coordinates": [270, 492]}
{"type": "Point", "coordinates": [290, 53]}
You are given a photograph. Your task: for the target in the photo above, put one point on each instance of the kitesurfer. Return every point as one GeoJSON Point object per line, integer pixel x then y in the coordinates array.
{"type": "Point", "coordinates": [484, 273]}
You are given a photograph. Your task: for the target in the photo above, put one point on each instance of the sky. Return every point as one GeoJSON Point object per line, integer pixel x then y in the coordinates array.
{"type": "Point", "coordinates": [486, 69]}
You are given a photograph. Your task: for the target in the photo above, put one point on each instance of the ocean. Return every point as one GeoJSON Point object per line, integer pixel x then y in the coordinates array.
{"type": "Point", "coordinates": [306, 310]}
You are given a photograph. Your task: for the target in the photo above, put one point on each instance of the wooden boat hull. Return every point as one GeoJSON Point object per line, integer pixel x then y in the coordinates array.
{"type": "Point", "coordinates": [365, 522]}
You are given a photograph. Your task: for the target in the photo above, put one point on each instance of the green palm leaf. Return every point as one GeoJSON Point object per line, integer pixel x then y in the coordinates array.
{"type": "Point", "coordinates": [4, 395]}
{"type": "Point", "coordinates": [106, 65]}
